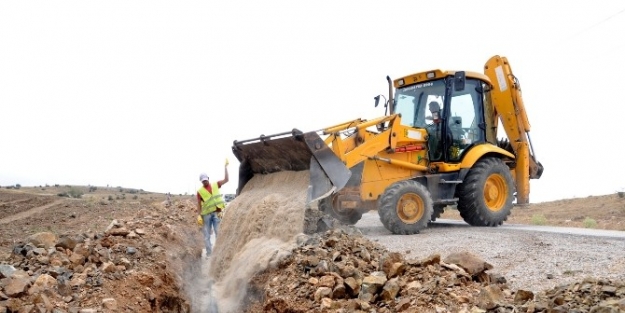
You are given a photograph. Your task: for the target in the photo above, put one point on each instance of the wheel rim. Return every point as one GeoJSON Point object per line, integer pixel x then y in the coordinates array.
{"type": "Point", "coordinates": [410, 208]}
{"type": "Point", "coordinates": [495, 192]}
{"type": "Point", "coordinates": [345, 213]}
{"type": "Point", "coordinates": [340, 211]}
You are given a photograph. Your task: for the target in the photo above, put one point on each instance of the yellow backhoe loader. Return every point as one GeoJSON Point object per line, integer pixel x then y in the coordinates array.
{"type": "Point", "coordinates": [437, 146]}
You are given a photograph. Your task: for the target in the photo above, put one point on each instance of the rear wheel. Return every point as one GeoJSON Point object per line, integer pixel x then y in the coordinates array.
{"type": "Point", "coordinates": [485, 197]}
{"type": "Point", "coordinates": [345, 216]}
{"type": "Point", "coordinates": [405, 207]}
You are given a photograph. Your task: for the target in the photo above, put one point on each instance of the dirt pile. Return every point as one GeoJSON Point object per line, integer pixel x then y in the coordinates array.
{"type": "Point", "coordinates": [133, 265]}
{"type": "Point", "coordinates": [341, 272]}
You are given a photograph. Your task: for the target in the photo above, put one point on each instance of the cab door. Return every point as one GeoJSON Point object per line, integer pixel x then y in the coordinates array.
{"type": "Point", "coordinates": [464, 119]}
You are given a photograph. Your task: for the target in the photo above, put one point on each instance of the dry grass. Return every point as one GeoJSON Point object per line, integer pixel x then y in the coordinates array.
{"type": "Point", "coordinates": [601, 212]}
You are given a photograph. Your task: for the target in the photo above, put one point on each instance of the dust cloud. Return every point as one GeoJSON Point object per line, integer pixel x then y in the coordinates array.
{"type": "Point", "coordinates": [260, 228]}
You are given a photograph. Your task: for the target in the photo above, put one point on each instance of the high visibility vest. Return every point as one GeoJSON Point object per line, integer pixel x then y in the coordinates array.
{"type": "Point", "coordinates": [210, 202]}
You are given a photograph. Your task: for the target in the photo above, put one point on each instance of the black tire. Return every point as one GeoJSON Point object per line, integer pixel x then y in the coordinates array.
{"type": "Point", "coordinates": [349, 217]}
{"type": "Point", "coordinates": [485, 197]}
{"type": "Point", "coordinates": [405, 208]}
{"type": "Point", "coordinates": [505, 144]}
{"type": "Point", "coordinates": [438, 210]}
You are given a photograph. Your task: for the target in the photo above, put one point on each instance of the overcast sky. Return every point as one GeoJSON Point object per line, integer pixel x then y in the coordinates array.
{"type": "Point", "coordinates": [148, 94]}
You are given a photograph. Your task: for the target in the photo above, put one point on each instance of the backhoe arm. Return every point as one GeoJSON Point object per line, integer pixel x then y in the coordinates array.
{"type": "Point", "coordinates": [509, 107]}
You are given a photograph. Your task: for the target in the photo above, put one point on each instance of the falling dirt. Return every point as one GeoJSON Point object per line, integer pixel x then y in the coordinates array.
{"type": "Point", "coordinates": [259, 229]}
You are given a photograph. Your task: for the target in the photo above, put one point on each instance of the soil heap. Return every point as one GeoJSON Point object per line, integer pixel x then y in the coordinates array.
{"type": "Point", "coordinates": [133, 265]}
{"type": "Point", "coordinates": [338, 271]}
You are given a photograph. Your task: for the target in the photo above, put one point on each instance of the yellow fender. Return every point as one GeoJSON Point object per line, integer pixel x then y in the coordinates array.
{"type": "Point", "coordinates": [478, 151]}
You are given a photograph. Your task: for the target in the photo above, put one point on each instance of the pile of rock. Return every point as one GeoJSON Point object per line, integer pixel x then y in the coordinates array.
{"type": "Point", "coordinates": [590, 295]}
{"type": "Point", "coordinates": [130, 266]}
{"type": "Point", "coordinates": [341, 272]}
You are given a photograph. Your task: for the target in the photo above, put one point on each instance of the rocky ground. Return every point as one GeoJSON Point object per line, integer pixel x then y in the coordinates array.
{"type": "Point", "coordinates": [83, 256]}
{"type": "Point", "coordinates": [341, 272]}
{"type": "Point", "coordinates": [14, 203]}
{"type": "Point", "coordinates": [133, 265]}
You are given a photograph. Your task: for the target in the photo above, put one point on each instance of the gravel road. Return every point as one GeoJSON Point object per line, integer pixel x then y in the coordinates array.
{"type": "Point", "coordinates": [530, 257]}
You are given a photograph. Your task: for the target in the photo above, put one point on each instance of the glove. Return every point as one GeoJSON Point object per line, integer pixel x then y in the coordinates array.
{"type": "Point", "coordinates": [220, 214]}
{"type": "Point", "coordinates": [227, 162]}
{"type": "Point", "coordinates": [200, 220]}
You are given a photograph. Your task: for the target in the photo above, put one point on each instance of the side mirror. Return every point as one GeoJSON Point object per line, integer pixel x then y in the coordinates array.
{"type": "Point", "coordinates": [459, 80]}
{"type": "Point", "coordinates": [377, 100]}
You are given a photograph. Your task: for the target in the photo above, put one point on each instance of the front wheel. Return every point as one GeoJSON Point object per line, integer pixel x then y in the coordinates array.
{"type": "Point", "coordinates": [485, 197]}
{"type": "Point", "coordinates": [405, 207]}
{"type": "Point", "coordinates": [345, 216]}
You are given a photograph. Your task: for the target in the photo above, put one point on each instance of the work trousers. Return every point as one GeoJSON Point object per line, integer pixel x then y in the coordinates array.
{"type": "Point", "coordinates": [211, 222]}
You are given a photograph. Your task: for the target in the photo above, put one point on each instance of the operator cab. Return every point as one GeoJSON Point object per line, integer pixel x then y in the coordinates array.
{"type": "Point", "coordinates": [460, 103]}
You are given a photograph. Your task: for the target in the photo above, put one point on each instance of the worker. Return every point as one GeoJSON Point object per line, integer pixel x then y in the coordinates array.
{"type": "Point", "coordinates": [435, 109]}
{"type": "Point", "coordinates": [210, 204]}
{"type": "Point", "coordinates": [434, 132]}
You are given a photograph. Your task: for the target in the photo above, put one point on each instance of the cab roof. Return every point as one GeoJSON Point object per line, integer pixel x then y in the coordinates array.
{"type": "Point", "coordinates": [435, 74]}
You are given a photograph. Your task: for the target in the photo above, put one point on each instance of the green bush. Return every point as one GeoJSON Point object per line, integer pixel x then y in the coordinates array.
{"type": "Point", "coordinates": [589, 223]}
{"type": "Point", "coordinates": [75, 193]}
{"type": "Point", "coordinates": [539, 219]}
{"type": "Point", "coordinates": [111, 198]}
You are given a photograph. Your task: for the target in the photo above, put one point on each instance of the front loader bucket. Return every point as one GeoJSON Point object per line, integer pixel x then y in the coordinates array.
{"type": "Point", "coordinates": [297, 151]}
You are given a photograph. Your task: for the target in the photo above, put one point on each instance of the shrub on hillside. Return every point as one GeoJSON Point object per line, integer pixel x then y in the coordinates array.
{"type": "Point", "coordinates": [590, 223]}
{"type": "Point", "coordinates": [75, 193]}
{"type": "Point", "coordinates": [72, 193]}
{"type": "Point", "coordinates": [539, 219]}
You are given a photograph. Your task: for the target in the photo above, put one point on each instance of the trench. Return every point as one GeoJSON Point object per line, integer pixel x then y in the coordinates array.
{"type": "Point", "coordinates": [260, 228]}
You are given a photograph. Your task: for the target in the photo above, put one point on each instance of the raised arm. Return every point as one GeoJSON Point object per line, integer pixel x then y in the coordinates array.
{"type": "Point", "coordinates": [225, 180]}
